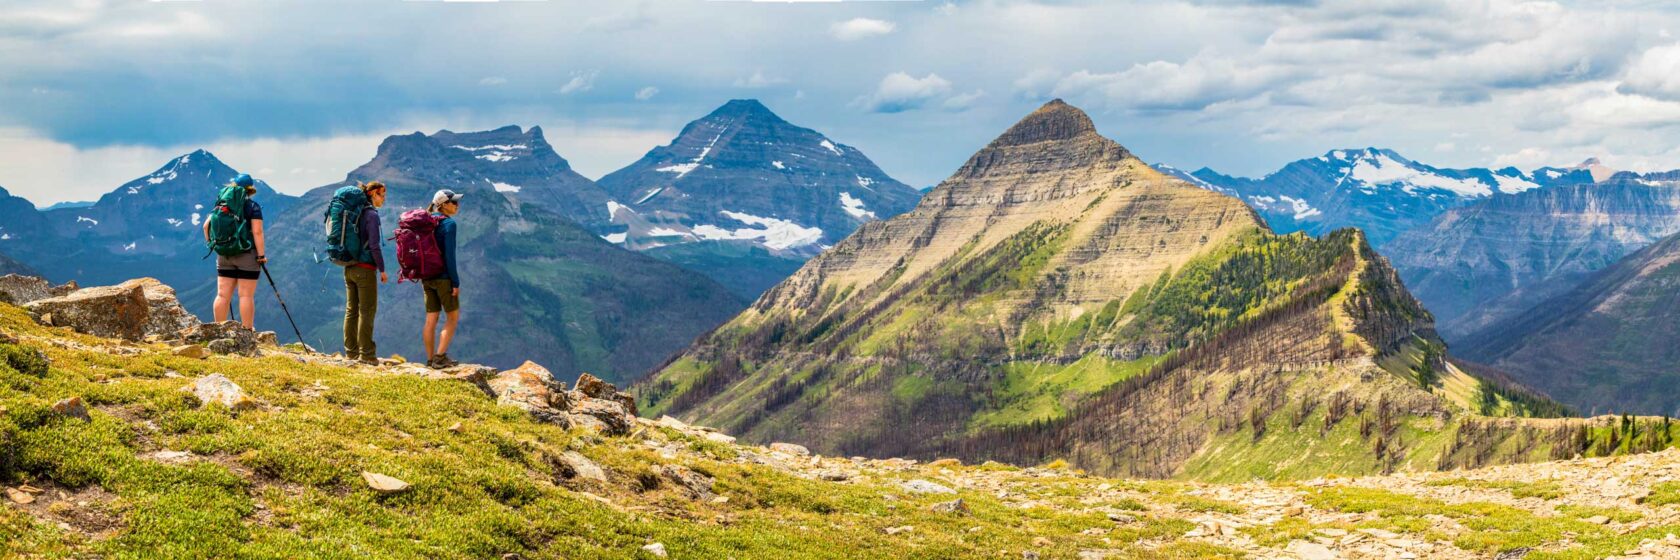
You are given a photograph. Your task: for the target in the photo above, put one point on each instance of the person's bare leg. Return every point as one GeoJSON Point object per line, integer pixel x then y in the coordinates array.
{"type": "Point", "coordinates": [224, 298]}
{"type": "Point", "coordinates": [428, 337]}
{"type": "Point", "coordinates": [448, 331]}
{"type": "Point", "coordinates": [248, 303]}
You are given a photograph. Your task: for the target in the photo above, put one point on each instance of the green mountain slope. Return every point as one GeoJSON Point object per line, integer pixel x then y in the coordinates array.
{"type": "Point", "coordinates": [1606, 346]}
{"type": "Point", "coordinates": [1059, 298]}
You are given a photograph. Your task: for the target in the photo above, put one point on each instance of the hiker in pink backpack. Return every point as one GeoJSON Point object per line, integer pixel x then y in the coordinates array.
{"type": "Point", "coordinates": [426, 254]}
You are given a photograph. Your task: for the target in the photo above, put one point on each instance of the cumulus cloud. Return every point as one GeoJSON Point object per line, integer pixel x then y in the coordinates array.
{"type": "Point", "coordinates": [899, 92]}
{"type": "Point", "coordinates": [581, 81]}
{"type": "Point", "coordinates": [1655, 73]}
{"type": "Point", "coordinates": [646, 93]}
{"type": "Point", "coordinates": [860, 28]}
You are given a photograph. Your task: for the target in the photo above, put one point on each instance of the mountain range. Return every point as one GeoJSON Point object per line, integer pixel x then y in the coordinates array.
{"type": "Point", "coordinates": [1484, 262]}
{"type": "Point", "coordinates": [1607, 345]}
{"type": "Point", "coordinates": [745, 196]}
{"type": "Point", "coordinates": [1376, 190]}
{"type": "Point", "coordinates": [1057, 297]}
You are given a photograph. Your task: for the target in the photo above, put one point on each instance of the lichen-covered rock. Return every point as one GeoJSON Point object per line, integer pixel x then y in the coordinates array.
{"type": "Point", "coordinates": [793, 449]}
{"type": "Point", "coordinates": [194, 351]}
{"type": "Point", "coordinates": [696, 485]}
{"type": "Point", "coordinates": [593, 387]}
{"type": "Point", "coordinates": [165, 316]}
{"type": "Point", "coordinates": [268, 338]}
{"type": "Point", "coordinates": [573, 465]}
{"type": "Point", "coordinates": [107, 311]}
{"type": "Point", "coordinates": [19, 289]}
{"type": "Point", "coordinates": [217, 388]}
{"type": "Point", "coordinates": [226, 337]}
{"type": "Point", "coordinates": [71, 408]}
{"type": "Point", "coordinates": [614, 419]}
{"type": "Point", "coordinates": [529, 386]}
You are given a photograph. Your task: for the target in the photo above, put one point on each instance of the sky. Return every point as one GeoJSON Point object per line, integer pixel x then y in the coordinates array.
{"type": "Point", "coordinates": [95, 93]}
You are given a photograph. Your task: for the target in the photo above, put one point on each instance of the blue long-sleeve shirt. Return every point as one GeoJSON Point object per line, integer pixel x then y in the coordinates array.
{"type": "Point", "coordinates": [445, 234]}
{"type": "Point", "coordinates": [368, 224]}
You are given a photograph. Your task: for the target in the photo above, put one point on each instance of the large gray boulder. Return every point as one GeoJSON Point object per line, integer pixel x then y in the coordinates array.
{"type": "Point", "coordinates": [19, 289]}
{"type": "Point", "coordinates": [166, 318]}
{"type": "Point", "coordinates": [226, 337]}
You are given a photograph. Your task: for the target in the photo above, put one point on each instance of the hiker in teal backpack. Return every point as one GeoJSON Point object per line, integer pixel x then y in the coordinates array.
{"type": "Point", "coordinates": [361, 294]}
{"type": "Point", "coordinates": [443, 292]}
{"type": "Point", "coordinates": [234, 231]}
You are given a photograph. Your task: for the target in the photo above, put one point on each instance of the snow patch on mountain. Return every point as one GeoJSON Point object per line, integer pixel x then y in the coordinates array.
{"type": "Point", "coordinates": [865, 182]}
{"type": "Point", "coordinates": [1383, 170]}
{"type": "Point", "coordinates": [778, 165]}
{"type": "Point", "coordinates": [680, 169]}
{"type": "Point", "coordinates": [195, 216]}
{"type": "Point", "coordinates": [616, 238]}
{"type": "Point", "coordinates": [81, 219]}
{"type": "Point", "coordinates": [613, 207]}
{"type": "Point", "coordinates": [504, 187]}
{"type": "Point", "coordinates": [772, 233]}
{"type": "Point", "coordinates": [1513, 185]}
{"type": "Point", "coordinates": [831, 147]}
{"type": "Point", "coordinates": [650, 195]}
{"type": "Point", "coordinates": [854, 206]}
{"type": "Point", "coordinates": [173, 222]}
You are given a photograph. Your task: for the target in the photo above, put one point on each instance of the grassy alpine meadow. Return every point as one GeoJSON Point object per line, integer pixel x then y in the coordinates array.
{"type": "Point", "coordinates": [151, 474]}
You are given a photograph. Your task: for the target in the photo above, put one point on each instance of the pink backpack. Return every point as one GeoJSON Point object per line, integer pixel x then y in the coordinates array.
{"type": "Point", "coordinates": [418, 256]}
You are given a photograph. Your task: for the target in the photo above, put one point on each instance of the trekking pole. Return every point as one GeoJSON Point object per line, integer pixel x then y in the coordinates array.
{"type": "Point", "coordinates": [283, 309]}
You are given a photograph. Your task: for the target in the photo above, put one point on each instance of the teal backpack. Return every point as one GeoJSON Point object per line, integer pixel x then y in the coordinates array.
{"type": "Point", "coordinates": [343, 219]}
{"type": "Point", "coordinates": [230, 232]}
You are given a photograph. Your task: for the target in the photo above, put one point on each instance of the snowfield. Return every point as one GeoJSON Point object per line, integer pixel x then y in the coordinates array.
{"type": "Point", "coordinates": [773, 233]}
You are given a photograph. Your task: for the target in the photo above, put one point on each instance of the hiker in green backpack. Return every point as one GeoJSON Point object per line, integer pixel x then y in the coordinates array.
{"type": "Point", "coordinates": [361, 294]}
{"type": "Point", "coordinates": [234, 231]}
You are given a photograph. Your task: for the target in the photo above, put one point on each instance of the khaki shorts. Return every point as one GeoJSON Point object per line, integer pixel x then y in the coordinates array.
{"type": "Point", "coordinates": [242, 266]}
{"type": "Point", "coordinates": [440, 296]}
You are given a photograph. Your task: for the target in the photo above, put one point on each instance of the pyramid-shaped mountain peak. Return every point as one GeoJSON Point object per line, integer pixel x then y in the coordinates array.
{"type": "Point", "coordinates": [749, 108]}
{"type": "Point", "coordinates": [1055, 121]}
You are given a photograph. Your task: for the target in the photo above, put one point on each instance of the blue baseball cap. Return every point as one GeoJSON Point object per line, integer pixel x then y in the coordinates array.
{"type": "Point", "coordinates": [244, 180]}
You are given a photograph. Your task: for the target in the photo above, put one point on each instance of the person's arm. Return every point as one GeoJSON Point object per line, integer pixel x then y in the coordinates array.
{"type": "Point", "coordinates": [257, 235]}
{"type": "Point", "coordinates": [371, 240]}
{"type": "Point", "coordinates": [206, 230]}
{"type": "Point", "coordinates": [449, 255]}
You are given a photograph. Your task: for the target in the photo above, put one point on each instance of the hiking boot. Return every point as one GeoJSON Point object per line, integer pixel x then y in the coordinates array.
{"type": "Point", "coordinates": [444, 361]}
{"type": "Point", "coordinates": [433, 362]}
{"type": "Point", "coordinates": [369, 360]}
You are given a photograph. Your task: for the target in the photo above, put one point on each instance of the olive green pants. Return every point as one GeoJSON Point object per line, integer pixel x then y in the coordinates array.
{"type": "Point", "coordinates": [361, 303]}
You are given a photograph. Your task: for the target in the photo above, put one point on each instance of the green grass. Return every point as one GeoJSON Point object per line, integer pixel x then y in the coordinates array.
{"type": "Point", "coordinates": [1037, 391]}
{"type": "Point", "coordinates": [1663, 494]}
{"type": "Point", "coordinates": [1544, 490]}
{"type": "Point", "coordinates": [1491, 528]}
{"type": "Point", "coordinates": [283, 480]}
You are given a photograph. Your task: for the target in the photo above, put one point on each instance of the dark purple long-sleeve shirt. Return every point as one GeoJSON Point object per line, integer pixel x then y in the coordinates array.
{"type": "Point", "coordinates": [369, 226]}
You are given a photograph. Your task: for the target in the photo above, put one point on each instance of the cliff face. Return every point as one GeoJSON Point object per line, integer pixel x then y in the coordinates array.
{"type": "Point", "coordinates": [1057, 297]}
{"type": "Point", "coordinates": [1480, 264]}
{"type": "Point", "coordinates": [1606, 345]}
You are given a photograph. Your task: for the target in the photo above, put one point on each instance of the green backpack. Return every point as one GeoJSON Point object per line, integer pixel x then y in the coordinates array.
{"type": "Point", "coordinates": [230, 232]}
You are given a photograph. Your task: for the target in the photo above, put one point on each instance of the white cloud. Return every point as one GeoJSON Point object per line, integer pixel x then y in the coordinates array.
{"type": "Point", "coordinates": [759, 80]}
{"type": "Point", "coordinates": [1656, 73]}
{"type": "Point", "coordinates": [581, 81]}
{"type": "Point", "coordinates": [860, 28]}
{"type": "Point", "coordinates": [492, 81]}
{"type": "Point", "coordinates": [646, 93]}
{"type": "Point", "coordinates": [900, 92]}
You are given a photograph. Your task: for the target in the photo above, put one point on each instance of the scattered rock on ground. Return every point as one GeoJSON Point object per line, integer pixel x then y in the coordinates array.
{"type": "Point", "coordinates": [793, 449]}
{"type": "Point", "coordinates": [382, 483]}
{"type": "Point", "coordinates": [574, 465]}
{"type": "Point", "coordinates": [697, 486]}
{"type": "Point", "coordinates": [899, 529]}
{"type": "Point", "coordinates": [217, 388]}
{"type": "Point", "coordinates": [193, 351]}
{"type": "Point", "coordinates": [18, 496]}
{"type": "Point", "coordinates": [957, 506]}
{"type": "Point", "coordinates": [268, 338]}
{"type": "Point", "coordinates": [226, 337]}
{"type": "Point", "coordinates": [72, 408]}
{"type": "Point", "coordinates": [656, 549]}
{"type": "Point", "coordinates": [530, 387]}
{"type": "Point", "coordinates": [919, 486]}
{"type": "Point", "coordinates": [612, 418]}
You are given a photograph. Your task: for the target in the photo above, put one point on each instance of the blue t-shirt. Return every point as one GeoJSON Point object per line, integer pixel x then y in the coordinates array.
{"type": "Point", "coordinates": [253, 211]}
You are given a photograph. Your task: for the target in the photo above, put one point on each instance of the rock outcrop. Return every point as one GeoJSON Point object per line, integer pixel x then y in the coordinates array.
{"type": "Point", "coordinates": [226, 337]}
{"type": "Point", "coordinates": [595, 405]}
{"type": "Point", "coordinates": [109, 311]}
{"type": "Point", "coordinates": [19, 289]}
{"type": "Point", "coordinates": [133, 310]}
